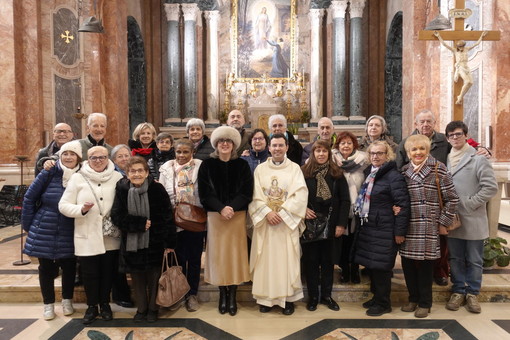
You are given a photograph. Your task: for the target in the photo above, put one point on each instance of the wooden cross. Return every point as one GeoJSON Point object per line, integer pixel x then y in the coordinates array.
{"type": "Point", "coordinates": [457, 34]}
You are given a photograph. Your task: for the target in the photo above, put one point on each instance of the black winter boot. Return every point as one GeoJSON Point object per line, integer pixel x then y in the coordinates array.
{"type": "Point", "coordinates": [232, 303]}
{"type": "Point", "coordinates": [222, 306]}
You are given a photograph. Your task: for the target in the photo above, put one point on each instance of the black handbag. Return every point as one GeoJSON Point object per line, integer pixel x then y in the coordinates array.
{"type": "Point", "coordinates": [317, 228]}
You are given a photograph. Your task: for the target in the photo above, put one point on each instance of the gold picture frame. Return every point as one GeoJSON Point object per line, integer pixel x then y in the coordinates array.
{"type": "Point", "coordinates": [264, 40]}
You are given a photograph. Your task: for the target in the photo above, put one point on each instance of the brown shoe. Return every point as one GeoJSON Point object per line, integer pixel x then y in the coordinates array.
{"type": "Point", "coordinates": [192, 304]}
{"type": "Point", "coordinates": [456, 300]}
{"type": "Point", "coordinates": [410, 307]}
{"type": "Point", "coordinates": [421, 312]}
{"type": "Point", "coordinates": [472, 304]}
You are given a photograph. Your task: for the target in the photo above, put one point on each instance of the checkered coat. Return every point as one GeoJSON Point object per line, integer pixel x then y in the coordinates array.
{"type": "Point", "coordinates": [422, 239]}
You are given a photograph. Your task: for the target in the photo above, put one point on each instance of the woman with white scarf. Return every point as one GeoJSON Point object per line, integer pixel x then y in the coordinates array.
{"type": "Point", "coordinates": [88, 197]}
{"type": "Point", "coordinates": [50, 234]}
{"type": "Point", "coordinates": [352, 161]}
{"type": "Point", "coordinates": [142, 211]}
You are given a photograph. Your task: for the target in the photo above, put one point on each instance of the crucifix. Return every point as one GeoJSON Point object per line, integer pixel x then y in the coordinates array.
{"type": "Point", "coordinates": [459, 36]}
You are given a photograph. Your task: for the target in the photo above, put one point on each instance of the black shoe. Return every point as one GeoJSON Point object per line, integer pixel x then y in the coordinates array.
{"type": "Point", "coordinates": [222, 305]}
{"type": "Point", "coordinates": [264, 309]}
{"type": "Point", "coordinates": [369, 303]}
{"type": "Point", "coordinates": [441, 281]}
{"type": "Point", "coordinates": [125, 304]}
{"type": "Point", "coordinates": [312, 303]}
{"type": "Point", "coordinates": [106, 312]}
{"type": "Point", "coordinates": [328, 301]}
{"type": "Point", "coordinates": [345, 275]}
{"type": "Point", "coordinates": [355, 278]}
{"type": "Point", "coordinates": [90, 315]}
{"type": "Point", "coordinates": [377, 310]}
{"type": "Point", "coordinates": [289, 308]}
{"type": "Point", "coordinates": [232, 303]}
{"type": "Point", "coordinates": [152, 316]}
{"type": "Point", "coordinates": [139, 317]}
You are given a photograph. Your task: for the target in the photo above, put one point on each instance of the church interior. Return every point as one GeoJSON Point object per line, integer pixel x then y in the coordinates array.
{"type": "Point", "coordinates": [167, 61]}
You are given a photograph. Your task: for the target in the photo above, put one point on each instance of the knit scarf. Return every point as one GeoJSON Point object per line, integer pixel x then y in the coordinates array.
{"type": "Point", "coordinates": [138, 205]}
{"type": "Point", "coordinates": [320, 173]}
{"type": "Point", "coordinates": [455, 156]}
{"type": "Point", "coordinates": [67, 173]}
{"type": "Point", "coordinates": [363, 202]}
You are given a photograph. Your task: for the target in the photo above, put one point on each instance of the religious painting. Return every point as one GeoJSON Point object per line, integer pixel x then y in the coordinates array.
{"type": "Point", "coordinates": [263, 38]}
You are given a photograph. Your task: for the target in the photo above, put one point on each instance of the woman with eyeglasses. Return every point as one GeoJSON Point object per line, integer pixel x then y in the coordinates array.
{"type": "Point", "coordinates": [225, 187]}
{"type": "Point", "coordinates": [142, 211]}
{"type": "Point", "coordinates": [259, 151]}
{"type": "Point", "coordinates": [380, 230]}
{"type": "Point", "coordinates": [88, 197]}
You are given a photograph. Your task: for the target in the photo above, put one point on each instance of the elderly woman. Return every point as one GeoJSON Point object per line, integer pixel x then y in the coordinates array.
{"type": "Point", "coordinates": [120, 156]}
{"type": "Point", "coordinates": [353, 162]}
{"type": "Point", "coordinates": [328, 195]}
{"type": "Point", "coordinates": [381, 231]}
{"type": "Point", "coordinates": [88, 198]}
{"type": "Point", "coordinates": [225, 186]}
{"type": "Point", "coordinates": [376, 129]}
{"type": "Point", "coordinates": [179, 177]}
{"type": "Point", "coordinates": [195, 129]}
{"type": "Point", "coordinates": [428, 220]}
{"type": "Point", "coordinates": [163, 153]}
{"type": "Point", "coordinates": [50, 234]}
{"type": "Point", "coordinates": [258, 151]}
{"type": "Point", "coordinates": [142, 211]}
{"type": "Point", "coordinates": [143, 142]}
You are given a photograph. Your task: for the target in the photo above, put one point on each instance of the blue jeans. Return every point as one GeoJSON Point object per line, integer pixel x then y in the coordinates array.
{"type": "Point", "coordinates": [466, 265]}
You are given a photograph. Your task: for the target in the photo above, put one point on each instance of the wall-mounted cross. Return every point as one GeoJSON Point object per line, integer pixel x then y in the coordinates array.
{"type": "Point", "coordinates": [456, 35]}
{"type": "Point", "coordinates": [66, 36]}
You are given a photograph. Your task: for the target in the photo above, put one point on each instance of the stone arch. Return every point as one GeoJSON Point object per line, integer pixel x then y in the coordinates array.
{"type": "Point", "coordinates": [393, 78]}
{"type": "Point", "coordinates": [137, 75]}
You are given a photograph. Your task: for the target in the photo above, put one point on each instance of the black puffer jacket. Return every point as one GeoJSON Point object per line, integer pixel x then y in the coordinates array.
{"type": "Point", "coordinates": [375, 246]}
{"type": "Point", "coordinates": [162, 232]}
{"type": "Point", "coordinates": [204, 149]}
{"type": "Point", "coordinates": [157, 159]}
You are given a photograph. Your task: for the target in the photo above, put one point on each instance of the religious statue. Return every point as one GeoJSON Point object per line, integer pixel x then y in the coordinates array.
{"type": "Point", "coordinates": [230, 81]}
{"type": "Point", "coordinates": [461, 63]}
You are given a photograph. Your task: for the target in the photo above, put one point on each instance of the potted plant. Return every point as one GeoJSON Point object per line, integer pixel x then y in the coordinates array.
{"type": "Point", "coordinates": [305, 118]}
{"type": "Point", "coordinates": [293, 128]}
{"type": "Point", "coordinates": [494, 252]}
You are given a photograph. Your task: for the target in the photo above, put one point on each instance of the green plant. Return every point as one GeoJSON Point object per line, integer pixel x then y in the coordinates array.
{"type": "Point", "coordinates": [494, 252]}
{"type": "Point", "coordinates": [305, 116]}
{"type": "Point", "coordinates": [223, 117]}
{"type": "Point", "coordinates": [293, 128]}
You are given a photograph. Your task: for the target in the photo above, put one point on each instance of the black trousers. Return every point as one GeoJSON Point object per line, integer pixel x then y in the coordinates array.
{"type": "Point", "coordinates": [380, 286]}
{"type": "Point", "coordinates": [97, 275]}
{"type": "Point", "coordinates": [318, 267]}
{"type": "Point", "coordinates": [190, 246]}
{"type": "Point", "coordinates": [145, 287]}
{"type": "Point", "coordinates": [47, 270]}
{"type": "Point", "coordinates": [418, 276]}
{"type": "Point", "coordinates": [120, 288]}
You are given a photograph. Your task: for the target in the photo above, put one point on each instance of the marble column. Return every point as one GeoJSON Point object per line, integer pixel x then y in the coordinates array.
{"type": "Point", "coordinates": [213, 90]}
{"type": "Point", "coordinates": [356, 55]}
{"type": "Point", "coordinates": [338, 8]}
{"type": "Point", "coordinates": [190, 12]}
{"type": "Point", "coordinates": [316, 71]}
{"type": "Point", "coordinates": [174, 56]}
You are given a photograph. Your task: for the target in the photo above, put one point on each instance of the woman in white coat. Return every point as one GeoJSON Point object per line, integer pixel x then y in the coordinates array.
{"type": "Point", "coordinates": [88, 197]}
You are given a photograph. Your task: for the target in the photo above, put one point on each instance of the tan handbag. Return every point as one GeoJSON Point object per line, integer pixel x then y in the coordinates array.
{"type": "Point", "coordinates": [456, 219]}
{"type": "Point", "coordinates": [190, 217]}
{"type": "Point", "coordinates": [173, 285]}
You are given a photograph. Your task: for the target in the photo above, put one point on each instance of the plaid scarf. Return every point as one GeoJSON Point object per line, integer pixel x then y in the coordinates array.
{"type": "Point", "coordinates": [363, 202]}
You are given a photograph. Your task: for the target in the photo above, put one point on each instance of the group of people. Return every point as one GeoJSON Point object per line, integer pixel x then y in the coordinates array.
{"type": "Point", "coordinates": [262, 193]}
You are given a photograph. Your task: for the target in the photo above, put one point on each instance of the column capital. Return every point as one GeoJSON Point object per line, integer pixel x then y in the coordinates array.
{"type": "Point", "coordinates": [172, 12]}
{"type": "Point", "coordinates": [357, 7]}
{"type": "Point", "coordinates": [316, 15]}
{"type": "Point", "coordinates": [338, 8]}
{"type": "Point", "coordinates": [212, 17]}
{"type": "Point", "coordinates": [190, 12]}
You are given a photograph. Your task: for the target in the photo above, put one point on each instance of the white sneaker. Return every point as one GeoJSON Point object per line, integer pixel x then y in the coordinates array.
{"type": "Point", "coordinates": [49, 311]}
{"type": "Point", "coordinates": [67, 306]}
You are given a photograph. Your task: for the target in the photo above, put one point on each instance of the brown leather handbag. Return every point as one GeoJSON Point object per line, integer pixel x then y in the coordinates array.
{"type": "Point", "coordinates": [172, 285]}
{"type": "Point", "coordinates": [190, 217]}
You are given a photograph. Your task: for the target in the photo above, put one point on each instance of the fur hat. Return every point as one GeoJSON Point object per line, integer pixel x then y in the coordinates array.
{"type": "Point", "coordinates": [226, 132]}
{"type": "Point", "coordinates": [74, 146]}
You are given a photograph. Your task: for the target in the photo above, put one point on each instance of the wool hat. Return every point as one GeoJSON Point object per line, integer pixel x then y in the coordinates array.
{"type": "Point", "coordinates": [226, 132]}
{"type": "Point", "coordinates": [74, 146]}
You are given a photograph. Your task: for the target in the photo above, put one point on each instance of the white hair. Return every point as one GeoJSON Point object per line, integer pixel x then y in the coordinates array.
{"type": "Point", "coordinates": [94, 115]}
{"type": "Point", "coordinates": [277, 116]}
{"type": "Point", "coordinates": [195, 122]}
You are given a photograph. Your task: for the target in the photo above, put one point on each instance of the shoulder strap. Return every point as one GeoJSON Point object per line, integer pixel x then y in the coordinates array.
{"type": "Point", "coordinates": [93, 193]}
{"type": "Point", "coordinates": [438, 187]}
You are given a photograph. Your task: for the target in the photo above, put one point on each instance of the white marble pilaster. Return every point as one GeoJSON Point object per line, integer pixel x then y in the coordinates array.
{"type": "Point", "coordinates": [316, 71]}
{"type": "Point", "coordinates": [213, 90]}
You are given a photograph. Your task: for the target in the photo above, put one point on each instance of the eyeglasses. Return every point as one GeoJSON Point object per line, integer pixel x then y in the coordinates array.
{"type": "Point", "coordinates": [62, 131]}
{"type": "Point", "coordinates": [378, 154]}
{"type": "Point", "coordinates": [98, 158]}
{"type": "Point", "coordinates": [455, 135]}
{"type": "Point", "coordinates": [257, 139]}
{"type": "Point", "coordinates": [136, 171]}
{"type": "Point", "coordinates": [224, 140]}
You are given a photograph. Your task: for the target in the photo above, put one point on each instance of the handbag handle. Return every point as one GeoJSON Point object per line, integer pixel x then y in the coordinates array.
{"type": "Point", "coordinates": [165, 265]}
{"type": "Point", "coordinates": [93, 193]}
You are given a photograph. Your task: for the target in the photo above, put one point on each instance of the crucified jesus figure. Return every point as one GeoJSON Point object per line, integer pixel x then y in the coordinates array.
{"type": "Point", "coordinates": [461, 63]}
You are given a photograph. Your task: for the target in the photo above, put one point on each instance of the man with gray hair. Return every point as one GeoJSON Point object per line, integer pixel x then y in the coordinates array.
{"type": "Point", "coordinates": [278, 124]}
{"type": "Point", "coordinates": [62, 133]}
{"type": "Point", "coordinates": [325, 131]}
{"type": "Point", "coordinates": [96, 128]}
